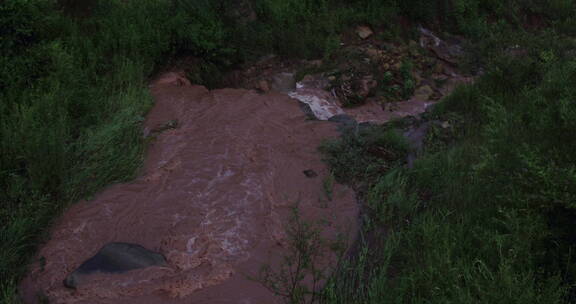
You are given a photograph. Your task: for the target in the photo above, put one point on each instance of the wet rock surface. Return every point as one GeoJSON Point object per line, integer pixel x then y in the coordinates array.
{"type": "Point", "coordinates": [115, 258]}
{"type": "Point", "coordinates": [364, 31]}
{"type": "Point", "coordinates": [370, 80]}
{"type": "Point", "coordinates": [214, 198]}
{"type": "Point", "coordinates": [375, 83]}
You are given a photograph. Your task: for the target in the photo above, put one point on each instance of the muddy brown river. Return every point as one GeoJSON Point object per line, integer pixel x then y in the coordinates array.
{"type": "Point", "coordinates": [214, 197]}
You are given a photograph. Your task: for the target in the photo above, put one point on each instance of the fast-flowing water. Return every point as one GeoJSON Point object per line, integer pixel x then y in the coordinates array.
{"type": "Point", "coordinates": [214, 197]}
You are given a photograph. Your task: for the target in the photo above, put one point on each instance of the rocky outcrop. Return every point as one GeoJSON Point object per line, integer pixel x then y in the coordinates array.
{"type": "Point", "coordinates": [364, 31]}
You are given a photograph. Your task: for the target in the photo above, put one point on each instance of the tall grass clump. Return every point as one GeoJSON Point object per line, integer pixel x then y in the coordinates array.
{"type": "Point", "coordinates": [73, 95]}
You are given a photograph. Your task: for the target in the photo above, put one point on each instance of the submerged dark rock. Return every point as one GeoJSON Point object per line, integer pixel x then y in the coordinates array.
{"type": "Point", "coordinates": [310, 173]}
{"type": "Point", "coordinates": [115, 258]}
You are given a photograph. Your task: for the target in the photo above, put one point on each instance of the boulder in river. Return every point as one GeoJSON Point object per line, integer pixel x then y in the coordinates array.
{"type": "Point", "coordinates": [115, 258]}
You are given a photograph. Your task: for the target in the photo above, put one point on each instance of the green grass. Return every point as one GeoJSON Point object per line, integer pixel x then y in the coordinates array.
{"type": "Point", "coordinates": [363, 153]}
{"type": "Point", "coordinates": [487, 213]}
{"type": "Point", "coordinates": [74, 94]}
{"type": "Point", "coordinates": [485, 216]}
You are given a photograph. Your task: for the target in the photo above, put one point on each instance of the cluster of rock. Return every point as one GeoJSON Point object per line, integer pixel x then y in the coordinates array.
{"type": "Point", "coordinates": [367, 78]}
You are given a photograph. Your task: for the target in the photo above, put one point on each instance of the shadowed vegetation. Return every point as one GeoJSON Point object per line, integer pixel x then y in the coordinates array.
{"type": "Point", "coordinates": [485, 216]}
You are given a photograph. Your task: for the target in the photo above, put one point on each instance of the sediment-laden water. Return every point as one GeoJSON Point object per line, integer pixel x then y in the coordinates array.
{"type": "Point", "coordinates": [214, 197]}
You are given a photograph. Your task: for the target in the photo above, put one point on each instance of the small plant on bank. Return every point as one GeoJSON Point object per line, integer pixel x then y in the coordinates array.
{"type": "Point", "coordinates": [305, 266]}
{"type": "Point", "coordinates": [328, 185]}
{"type": "Point", "coordinates": [409, 83]}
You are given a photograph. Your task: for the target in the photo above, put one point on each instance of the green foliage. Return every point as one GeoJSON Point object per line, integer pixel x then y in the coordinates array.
{"type": "Point", "coordinates": [305, 265]}
{"type": "Point", "coordinates": [363, 153]}
{"type": "Point", "coordinates": [420, 10]}
{"type": "Point", "coordinates": [73, 97]}
{"type": "Point", "coordinates": [22, 27]}
{"type": "Point", "coordinates": [364, 276]}
{"type": "Point", "coordinates": [291, 28]}
{"type": "Point", "coordinates": [374, 12]}
{"type": "Point", "coordinates": [487, 216]}
{"type": "Point", "coordinates": [389, 201]}
{"type": "Point", "coordinates": [409, 84]}
{"type": "Point", "coordinates": [328, 185]}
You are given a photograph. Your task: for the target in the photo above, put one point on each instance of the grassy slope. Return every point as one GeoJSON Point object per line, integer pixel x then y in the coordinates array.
{"type": "Point", "coordinates": [487, 214]}
{"type": "Point", "coordinates": [73, 95]}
